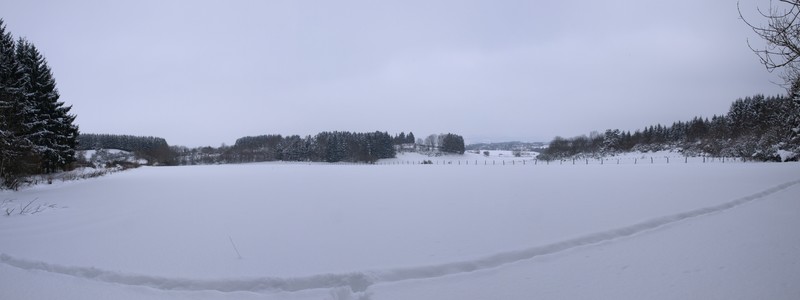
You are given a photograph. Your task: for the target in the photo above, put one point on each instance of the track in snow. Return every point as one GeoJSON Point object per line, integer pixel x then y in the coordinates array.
{"type": "Point", "coordinates": [360, 281]}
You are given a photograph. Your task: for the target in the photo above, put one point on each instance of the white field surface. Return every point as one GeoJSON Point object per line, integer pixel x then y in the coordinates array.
{"type": "Point", "coordinates": [319, 231]}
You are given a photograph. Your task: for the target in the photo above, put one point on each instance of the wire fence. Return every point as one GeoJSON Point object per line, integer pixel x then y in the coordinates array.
{"type": "Point", "coordinates": [439, 161]}
{"type": "Point", "coordinates": [572, 161]}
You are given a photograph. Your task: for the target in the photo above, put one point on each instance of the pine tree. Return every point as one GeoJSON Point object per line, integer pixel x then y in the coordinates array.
{"type": "Point", "coordinates": [14, 145]}
{"type": "Point", "coordinates": [52, 134]}
{"type": "Point", "coordinates": [9, 92]}
{"type": "Point", "coordinates": [36, 130]}
{"type": "Point", "coordinates": [400, 139]}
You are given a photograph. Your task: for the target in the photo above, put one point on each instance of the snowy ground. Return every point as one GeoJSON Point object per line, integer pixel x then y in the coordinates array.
{"type": "Point", "coordinates": [392, 231]}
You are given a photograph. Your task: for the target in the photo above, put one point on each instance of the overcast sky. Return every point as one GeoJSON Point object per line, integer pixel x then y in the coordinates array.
{"type": "Point", "coordinates": [207, 72]}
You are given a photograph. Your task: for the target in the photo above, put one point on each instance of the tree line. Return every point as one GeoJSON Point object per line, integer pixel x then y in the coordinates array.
{"type": "Point", "coordinates": [37, 134]}
{"type": "Point", "coordinates": [755, 127]}
{"type": "Point", "coordinates": [335, 146]}
{"type": "Point", "coordinates": [154, 149]}
{"type": "Point", "coordinates": [328, 146]}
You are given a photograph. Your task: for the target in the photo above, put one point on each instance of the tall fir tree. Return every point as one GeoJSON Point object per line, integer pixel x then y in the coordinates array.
{"type": "Point", "coordinates": [52, 134]}
{"type": "Point", "coordinates": [14, 146]}
{"type": "Point", "coordinates": [37, 133]}
{"type": "Point", "coordinates": [9, 88]}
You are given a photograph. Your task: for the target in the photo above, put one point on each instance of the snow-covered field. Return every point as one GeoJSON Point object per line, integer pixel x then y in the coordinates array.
{"type": "Point", "coordinates": [400, 231]}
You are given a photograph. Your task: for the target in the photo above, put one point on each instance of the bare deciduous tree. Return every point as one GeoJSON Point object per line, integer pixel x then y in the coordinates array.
{"type": "Point", "coordinates": [782, 51]}
{"type": "Point", "coordinates": [782, 37]}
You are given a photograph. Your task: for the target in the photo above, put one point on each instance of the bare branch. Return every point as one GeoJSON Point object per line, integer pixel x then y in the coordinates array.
{"type": "Point", "coordinates": [782, 37]}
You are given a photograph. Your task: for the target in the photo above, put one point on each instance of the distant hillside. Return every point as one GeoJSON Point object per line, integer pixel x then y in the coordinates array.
{"type": "Point", "coordinates": [507, 146]}
{"type": "Point", "coordinates": [154, 149]}
{"type": "Point", "coordinates": [757, 127]}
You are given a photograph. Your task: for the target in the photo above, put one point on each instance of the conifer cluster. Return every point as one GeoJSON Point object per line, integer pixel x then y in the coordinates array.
{"type": "Point", "coordinates": [37, 134]}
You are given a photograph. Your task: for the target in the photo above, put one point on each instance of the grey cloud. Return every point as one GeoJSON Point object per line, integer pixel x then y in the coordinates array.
{"type": "Point", "coordinates": [206, 72]}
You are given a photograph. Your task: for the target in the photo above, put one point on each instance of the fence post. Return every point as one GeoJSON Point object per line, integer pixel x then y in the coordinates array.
{"type": "Point", "coordinates": [635, 160]}
{"type": "Point", "coordinates": [587, 161]}
{"type": "Point", "coordinates": [667, 159]}
{"type": "Point", "coordinates": [651, 160]}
